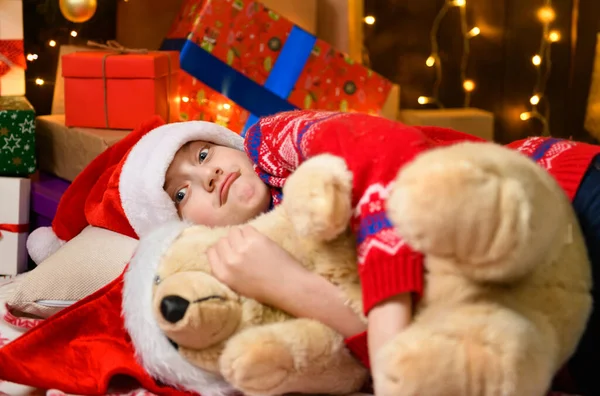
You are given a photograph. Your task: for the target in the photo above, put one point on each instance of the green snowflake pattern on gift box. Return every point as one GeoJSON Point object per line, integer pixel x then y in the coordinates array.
{"type": "Point", "coordinates": [17, 137]}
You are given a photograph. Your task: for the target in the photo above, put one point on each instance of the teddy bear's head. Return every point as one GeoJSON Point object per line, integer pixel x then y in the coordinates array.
{"type": "Point", "coordinates": [193, 309]}
{"type": "Point", "coordinates": [173, 313]}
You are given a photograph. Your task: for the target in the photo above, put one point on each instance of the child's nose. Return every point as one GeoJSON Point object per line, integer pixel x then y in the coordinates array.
{"type": "Point", "coordinates": [211, 177]}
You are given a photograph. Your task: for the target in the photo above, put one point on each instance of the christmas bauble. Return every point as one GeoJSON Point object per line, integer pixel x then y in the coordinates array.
{"type": "Point", "coordinates": [78, 10]}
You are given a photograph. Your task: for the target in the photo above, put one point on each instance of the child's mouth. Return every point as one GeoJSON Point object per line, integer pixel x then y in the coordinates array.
{"type": "Point", "coordinates": [224, 191]}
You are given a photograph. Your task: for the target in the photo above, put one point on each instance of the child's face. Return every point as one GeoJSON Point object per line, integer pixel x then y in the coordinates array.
{"type": "Point", "coordinates": [215, 186]}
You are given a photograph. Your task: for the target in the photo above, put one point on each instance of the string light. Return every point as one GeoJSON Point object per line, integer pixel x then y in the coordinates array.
{"type": "Point", "coordinates": [73, 33]}
{"type": "Point", "coordinates": [32, 57]}
{"type": "Point", "coordinates": [554, 36]}
{"type": "Point", "coordinates": [226, 106]}
{"type": "Point", "coordinates": [185, 99]}
{"type": "Point", "coordinates": [468, 85]}
{"type": "Point", "coordinates": [52, 43]}
{"type": "Point", "coordinates": [424, 100]}
{"type": "Point", "coordinates": [369, 19]}
{"type": "Point", "coordinates": [474, 32]}
{"type": "Point", "coordinates": [543, 65]}
{"type": "Point", "coordinates": [434, 59]}
{"type": "Point", "coordinates": [39, 81]}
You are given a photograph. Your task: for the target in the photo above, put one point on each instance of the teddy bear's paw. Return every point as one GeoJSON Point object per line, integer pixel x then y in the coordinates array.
{"type": "Point", "coordinates": [258, 368]}
{"type": "Point", "coordinates": [426, 366]}
{"type": "Point", "coordinates": [317, 197]}
{"type": "Point", "coordinates": [472, 351]}
{"type": "Point", "coordinates": [459, 210]}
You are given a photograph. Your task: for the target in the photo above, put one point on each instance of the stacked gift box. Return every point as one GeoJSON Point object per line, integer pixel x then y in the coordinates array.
{"type": "Point", "coordinates": [17, 142]}
{"type": "Point", "coordinates": [264, 63]}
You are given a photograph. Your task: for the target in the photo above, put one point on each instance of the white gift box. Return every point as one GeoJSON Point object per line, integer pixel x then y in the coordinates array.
{"type": "Point", "coordinates": [14, 211]}
{"type": "Point", "coordinates": [11, 28]}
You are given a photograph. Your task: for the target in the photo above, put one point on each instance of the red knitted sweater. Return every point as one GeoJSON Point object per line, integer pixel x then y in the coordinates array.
{"type": "Point", "coordinates": [566, 160]}
{"type": "Point", "coordinates": [374, 149]}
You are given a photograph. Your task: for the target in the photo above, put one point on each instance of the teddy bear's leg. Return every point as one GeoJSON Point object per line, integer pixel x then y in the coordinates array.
{"type": "Point", "coordinates": [300, 355]}
{"type": "Point", "coordinates": [467, 350]}
{"type": "Point", "coordinates": [478, 206]}
{"type": "Point", "coordinates": [317, 197]}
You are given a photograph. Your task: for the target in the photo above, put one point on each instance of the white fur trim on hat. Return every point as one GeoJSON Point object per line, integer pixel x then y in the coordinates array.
{"type": "Point", "coordinates": [42, 243]}
{"type": "Point", "coordinates": [153, 350]}
{"type": "Point", "coordinates": [144, 201]}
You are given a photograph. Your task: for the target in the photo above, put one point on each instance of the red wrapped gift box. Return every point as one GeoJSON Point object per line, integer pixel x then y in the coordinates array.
{"type": "Point", "coordinates": [200, 102]}
{"type": "Point", "coordinates": [250, 38]}
{"type": "Point", "coordinates": [120, 90]}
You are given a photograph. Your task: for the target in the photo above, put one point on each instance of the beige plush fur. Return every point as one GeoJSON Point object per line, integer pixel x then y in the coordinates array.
{"type": "Point", "coordinates": [505, 302]}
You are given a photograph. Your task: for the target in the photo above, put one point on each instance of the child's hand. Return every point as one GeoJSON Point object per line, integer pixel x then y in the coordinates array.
{"type": "Point", "coordinates": [256, 267]}
{"type": "Point", "coordinates": [252, 264]}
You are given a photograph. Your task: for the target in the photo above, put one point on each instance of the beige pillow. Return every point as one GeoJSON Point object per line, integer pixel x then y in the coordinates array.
{"type": "Point", "coordinates": [79, 268]}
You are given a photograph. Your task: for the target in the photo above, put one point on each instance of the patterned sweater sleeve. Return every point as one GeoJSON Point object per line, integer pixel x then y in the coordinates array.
{"type": "Point", "coordinates": [374, 150]}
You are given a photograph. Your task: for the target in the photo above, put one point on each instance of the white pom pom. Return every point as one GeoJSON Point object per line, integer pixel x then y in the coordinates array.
{"type": "Point", "coordinates": [42, 243]}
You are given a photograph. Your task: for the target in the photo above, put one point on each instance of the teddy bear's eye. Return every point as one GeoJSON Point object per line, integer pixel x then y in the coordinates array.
{"type": "Point", "coordinates": [156, 280]}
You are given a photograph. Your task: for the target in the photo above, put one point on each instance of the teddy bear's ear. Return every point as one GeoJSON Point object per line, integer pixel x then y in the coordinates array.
{"type": "Point", "coordinates": [155, 351]}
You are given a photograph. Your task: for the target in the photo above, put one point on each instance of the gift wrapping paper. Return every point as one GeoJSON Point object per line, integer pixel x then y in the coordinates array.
{"type": "Point", "coordinates": [12, 56]}
{"type": "Point", "coordinates": [17, 137]}
{"type": "Point", "coordinates": [266, 64]}
{"type": "Point", "coordinates": [14, 227]}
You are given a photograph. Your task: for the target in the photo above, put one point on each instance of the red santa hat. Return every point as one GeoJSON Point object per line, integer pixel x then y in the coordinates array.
{"type": "Point", "coordinates": [122, 189]}
{"type": "Point", "coordinates": [82, 349]}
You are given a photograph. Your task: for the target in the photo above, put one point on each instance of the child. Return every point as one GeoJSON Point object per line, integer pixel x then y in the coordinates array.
{"type": "Point", "coordinates": [375, 149]}
{"type": "Point", "coordinates": [218, 179]}
{"type": "Point", "coordinates": [205, 172]}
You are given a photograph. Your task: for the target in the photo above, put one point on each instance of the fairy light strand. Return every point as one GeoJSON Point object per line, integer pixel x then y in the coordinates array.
{"type": "Point", "coordinates": [542, 61]}
{"type": "Point", "coordinates": [434, 59]}
{"type": "Point", "coordinates": [32, 57]}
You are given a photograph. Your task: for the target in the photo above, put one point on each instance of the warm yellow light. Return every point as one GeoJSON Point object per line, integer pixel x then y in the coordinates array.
{"type": "Point", "coordinates": [185, 99]}
{"type": "Point", "coordinates": [226, 106]}
{"type": "Point", "coordinates": [369, 19]}
{"type": "Point", "coordinates": [546, 14]}
{"type": "Point", "coordinates": [39, 81]}
{"type": "Point", "coordinates": [32, 57]}
{"type": "Point", "coordinates": [469, 85]}
{"type": "Point", "coordinates": [460, 3]}
{"type": "Point", "coordinates": [536, 60]}
{"type": "Point", "coordinates": [525, 116]}
{"type": "Point", "coordinates": [554, 36]}
{"type": "Point", "coordinates": [73, 33]}
{"type": "Point", "coordinates": [423, 100]}
{"type": "Point", "coordinates": [430, 61]}
{"type": "Point", "coordinates": [52, 43]}
{"type": "Point", "coordinates": [474, 32]}
{"type": "Point", "coordinates": [534, 100]}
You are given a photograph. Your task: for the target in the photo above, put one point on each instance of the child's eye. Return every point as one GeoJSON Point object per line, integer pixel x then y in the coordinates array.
{"type": "Point", "coordinates": [203, 155]}
{"type": "Point", "coordinates": [180, 195]}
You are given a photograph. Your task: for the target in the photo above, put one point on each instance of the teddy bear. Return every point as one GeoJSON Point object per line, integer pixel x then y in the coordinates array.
{"type": "Point", "coordinates": [506, 296]}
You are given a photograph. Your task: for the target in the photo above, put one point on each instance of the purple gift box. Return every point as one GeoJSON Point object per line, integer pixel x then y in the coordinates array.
{"type": "Point", "coordinates": [45, 195]}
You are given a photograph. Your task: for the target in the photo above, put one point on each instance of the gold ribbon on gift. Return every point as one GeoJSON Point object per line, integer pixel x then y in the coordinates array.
{"type": "Point", "coordinates": [115, 48]}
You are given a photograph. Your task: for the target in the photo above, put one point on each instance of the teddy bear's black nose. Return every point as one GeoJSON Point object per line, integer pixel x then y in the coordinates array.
{"type": "Point", "coordinates": [173, 308]}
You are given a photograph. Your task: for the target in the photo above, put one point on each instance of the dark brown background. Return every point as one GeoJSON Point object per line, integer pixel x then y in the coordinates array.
{"type": "Point", "coordinates": [500, 61]}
